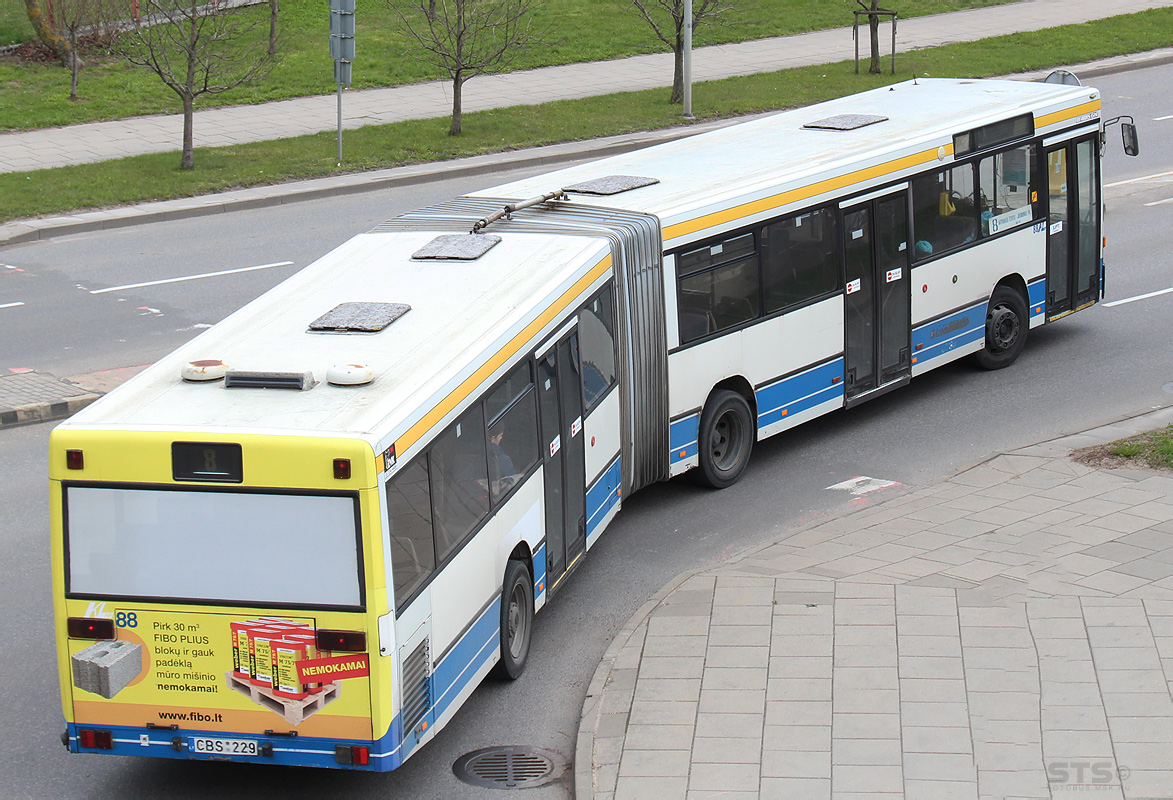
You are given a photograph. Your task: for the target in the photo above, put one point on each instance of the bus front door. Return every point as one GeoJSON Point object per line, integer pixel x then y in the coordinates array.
{"type": "Point", "coordinates": [1073, 230]}
{"type": "Point", "coordinates": [560, 404]}
{"type": "Point", "coordinates": [877, 302]}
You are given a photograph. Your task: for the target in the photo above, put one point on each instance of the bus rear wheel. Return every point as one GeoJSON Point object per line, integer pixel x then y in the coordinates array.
{"type": "Point", "coordinates": [1007, 323]}
{"type": "Point", "coordinates": [726, 439]}
{"type": "Point", "coordinates": [517, 620]}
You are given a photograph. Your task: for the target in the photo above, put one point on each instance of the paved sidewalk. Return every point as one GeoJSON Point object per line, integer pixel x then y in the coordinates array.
{"type": "Point", "coordinates": [1004, 633]}
{"type": "Point", "coordinates": [79, 144]}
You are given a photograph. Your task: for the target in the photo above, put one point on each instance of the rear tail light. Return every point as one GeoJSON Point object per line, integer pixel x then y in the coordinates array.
{"type": "Point", "coordinates": [352, 754]}
{"type": "Point", "coordinates": [74, 459]}
{"type": "Point", "coordinates": [342, 469]}
{"type": "Point", "coordinates": [99, 740]}
{"type": "Point", "coordinates": [89, 628]}
{"type": "Point", "coordinates": [342, 641]}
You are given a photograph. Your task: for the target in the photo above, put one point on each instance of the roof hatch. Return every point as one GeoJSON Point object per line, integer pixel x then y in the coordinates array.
{"type": "Point", "coordinates": [359, 317]}
{"type": "Point", "coordinates": [611, 184]}
{"type": "Point", "coordinates": [845, 122]}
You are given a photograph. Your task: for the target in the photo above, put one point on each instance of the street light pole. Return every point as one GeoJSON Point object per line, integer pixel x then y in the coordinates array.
{"type": "Point", "coordinates": [688, 59]}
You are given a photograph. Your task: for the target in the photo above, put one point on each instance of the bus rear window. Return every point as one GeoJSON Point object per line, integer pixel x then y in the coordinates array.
{"type": "Point", "coordinates": [231, 547]}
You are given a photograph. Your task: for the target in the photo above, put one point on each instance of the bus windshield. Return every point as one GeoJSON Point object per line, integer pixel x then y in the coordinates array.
{"type": "Point", "coordinates": [253, 548]}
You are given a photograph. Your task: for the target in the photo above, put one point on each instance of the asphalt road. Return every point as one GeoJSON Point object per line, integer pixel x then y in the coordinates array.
{"type": "Point", "coordinates": [1090, 368]}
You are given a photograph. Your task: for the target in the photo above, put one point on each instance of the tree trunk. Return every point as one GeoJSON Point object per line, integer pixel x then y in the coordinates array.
{"type": "Point", "coordinates": [457, 85]}
{"type": "Point", "coordinates": [874, 28]}
{"type": "Point", "coordinates": [41, 19]}
{"type": "Point", "coordinates": [678, 70]}
{"type": "Point", "coordinates": [188, 159]}
{"type": "Point", "coordinates": [273, 27]}
{"type": "Point", "coordinates": [74, 63]}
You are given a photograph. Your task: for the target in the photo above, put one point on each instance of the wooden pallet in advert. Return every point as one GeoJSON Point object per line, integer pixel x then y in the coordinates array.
{"type": "Point", "coordinates": [294, 710]}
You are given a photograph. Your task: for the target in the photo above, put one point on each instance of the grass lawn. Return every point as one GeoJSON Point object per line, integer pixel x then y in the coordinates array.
{"type": "Point", "coordinates": [157, 177]}
{"type": "Point", "coordinates": [35, 95]}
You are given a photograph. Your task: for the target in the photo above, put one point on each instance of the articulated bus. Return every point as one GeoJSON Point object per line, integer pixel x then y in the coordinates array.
{"type": "Point", "coordinates": [308, 534]}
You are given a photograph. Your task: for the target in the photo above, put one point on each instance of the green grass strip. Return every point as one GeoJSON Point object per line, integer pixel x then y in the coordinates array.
{"type": "Point", "coordinates": [158, 177]}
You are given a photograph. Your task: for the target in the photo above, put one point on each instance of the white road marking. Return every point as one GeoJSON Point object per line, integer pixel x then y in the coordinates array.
{"type": "Point", "coordinates": [1138, 297]}
{"type": "Point", "coordinates": [1162, 119]}
{"type": "Point", "coordinates": [190, 277]}
{"type": "Point", "coordinates": [1138, 180]}
{"type": "Point", "coordinates": [1160, 202]}
{"type": "Point", "coordinates": [863, 485]}
{"type": "Point", "coordinates": [10, 305]}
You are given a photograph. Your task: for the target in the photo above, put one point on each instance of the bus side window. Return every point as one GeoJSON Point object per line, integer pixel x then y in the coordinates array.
{"type": "Point", "coordinates": [460, 480]}
{"type": "Point", "coordinates": [513, 430]}
{"type": "Point", "coordinates": [596, 330]}
{"type": "Point", "coordinates": [409, 509]}
{"type": "Point", "coordinates": [1008, 196]}
{"type": "Point", "coordinates": [800, 259]}
{"type": "Point", "coordinates": [719, 287]}
{"type": "Point", "coordinates": [945, 210]}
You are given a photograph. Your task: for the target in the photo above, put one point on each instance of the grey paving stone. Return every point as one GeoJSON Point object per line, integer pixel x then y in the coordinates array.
{"type": "Point", "coordinates": [783, 666]}
{"type": "Point", "coordinates": [922, 739]}
{"type": "Point", "coordinates": [725, 725]}
{"type": "Point", "coordinates": [653, 763]}
{"type": "Point", "coordinates": [789, 712]}
{"type": "Point", "coordinates": [867, 701]}
{"type": "Point", "coordinates": [788, 764]}
{"type": "Point", "coordinates": [668, 689]}
{"type": "Point", "coordinates": [671, 667]}
{"type": "Point", "coordinates": [934, 715]}
{"type": "Point", "coordinates": [798, 689]}
{"type": "Point", "coordinates": [847, 778]}
{"type": "Point", "coordinates": [640, 788]}
{"type": "Point", "coordinates": [717, 777]}
{"type": "Point", "coordinates": [658, 737]}
{"type": "Point", "coordinates": [932, 690]}
{"type": "Point", "coordinates": [866, 726]}
{"type": "Point", "coordinates": [733, 701]}
{"type": "Point", "coordinates": [940, 790]}
{"type": "Point", "coordinates": [796, 788]}
{"type": "Point", "coordinates": [865, 655]}
{"type": "Point", "coordinates": [662, 712]}
{"type": "Point", "coordinates": [866, 752]}
{"type": "Point", "coordinates": [746, 635]}
{"type": "Point", "coordinates": [928, 646]}
{"type": "Point", "coordinates": [940, 766]}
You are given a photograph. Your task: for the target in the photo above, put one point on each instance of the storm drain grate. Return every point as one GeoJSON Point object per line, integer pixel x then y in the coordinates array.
{"type": "Point", "coordinates": [509, 767]}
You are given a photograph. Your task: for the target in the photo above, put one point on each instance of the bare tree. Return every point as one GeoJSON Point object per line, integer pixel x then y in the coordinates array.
{"type": "Point", "coordinates": [273, 9]}
{"type": "Point", "coordinates": [466, 38]}
{"type": "Point", "coordinates": [197, 50]}
{"type": "Point", "coordinates": [666, 17]}
{"type": "Point", "coordinates": [77, 18]}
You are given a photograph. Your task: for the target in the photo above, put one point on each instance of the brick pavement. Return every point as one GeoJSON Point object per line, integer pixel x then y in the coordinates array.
{"type": "Point", "coordinates": [1004, 633]}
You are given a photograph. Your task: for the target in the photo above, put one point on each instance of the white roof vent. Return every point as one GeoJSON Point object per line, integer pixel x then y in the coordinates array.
{"type": "Point", "coordinates": [349, 375]}
{"type": "Point", "coordinates": [208, 369]}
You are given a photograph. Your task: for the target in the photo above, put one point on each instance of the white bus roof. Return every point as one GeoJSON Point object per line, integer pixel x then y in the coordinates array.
{"type": "Point", "coordinates": [459, 309]}
{"type": "Point", "coordinates": [713, 171]}
{"type": "Point", "coordinates": [464, 312]}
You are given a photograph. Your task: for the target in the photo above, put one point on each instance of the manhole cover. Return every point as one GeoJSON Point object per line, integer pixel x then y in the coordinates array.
{"type": "Point", "coordinates": [509, 767]}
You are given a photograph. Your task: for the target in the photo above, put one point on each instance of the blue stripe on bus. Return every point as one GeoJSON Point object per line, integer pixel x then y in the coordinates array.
{"type": "Point", "coordinates": [800, 392]}
{"type": "Point", "coordinates": [540, 571]}
{"type": "Point", "coordinates": [946, 334]}
{"type": "Point", "coordinates": [682, 437]}
{"type": "Point", "coordinates": [1036, 293]}
{"type": "Point", "coordinates": [304, 751]}
{"type": "Point", "coordinates": [602, 497]}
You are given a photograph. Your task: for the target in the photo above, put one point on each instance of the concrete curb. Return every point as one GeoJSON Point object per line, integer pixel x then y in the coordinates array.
{"type": "Point", "coordinates": [31, 230]}
{"type": "Point", "coordinates": [45, 411]}
{"type": "Point", "coordinates": [1055, 447]}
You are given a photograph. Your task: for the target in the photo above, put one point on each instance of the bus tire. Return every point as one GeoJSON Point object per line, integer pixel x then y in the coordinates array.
{"type": "Point", "coordinates": [1007, 323]}
{"type": "Point", "coordinates": [726, 439]}
{"type": "Point", "coordinates": [517, 620]}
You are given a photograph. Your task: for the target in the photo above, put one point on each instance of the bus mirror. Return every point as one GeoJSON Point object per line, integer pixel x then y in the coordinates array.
{"type": "Point", "coordinates": [1128, 134]}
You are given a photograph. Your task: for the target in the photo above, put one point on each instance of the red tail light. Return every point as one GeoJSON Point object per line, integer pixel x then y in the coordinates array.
{"type": "Point", "coordinates": [352, 754]}
{"type": "Point", "coordinates": [342, 469]}
{"type": "Point", "coordinates": [342, 641]}
{"type": "Point", "coordinates": [99, 740]}
{"type": "Point", "coordinates": [89, 628]}
{"type": "Point", "coordinates": [74, 459]}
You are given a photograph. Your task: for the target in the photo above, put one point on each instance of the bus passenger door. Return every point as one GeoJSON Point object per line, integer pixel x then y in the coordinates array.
{"type": "Point", "coordinates": [877, 303]}
{"type": "Point", "coordinates": [560, 409]}
{"type": "Point", "coordinates": [1073, 230]}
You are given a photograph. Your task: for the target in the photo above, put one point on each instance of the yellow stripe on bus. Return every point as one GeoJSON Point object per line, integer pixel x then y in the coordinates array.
{"type": "Point", "coordinates": [1066, 114]}
{"type": "Point", "coordinates": [796, 195]}
{"type": "Point", "coordinates": [472, 382]}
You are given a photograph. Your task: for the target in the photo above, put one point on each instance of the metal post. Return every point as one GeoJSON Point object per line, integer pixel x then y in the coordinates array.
{"type": "Point", "coordinates": [340, 124]}
{"type": "Point", "coordinates": [688, 59]}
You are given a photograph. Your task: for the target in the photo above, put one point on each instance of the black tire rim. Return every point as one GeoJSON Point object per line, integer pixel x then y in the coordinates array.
{"type": "Point", "coordinates": [725, 442]}
{"type": "Point", "coordinates": [1003, 326]}
{"type": "Point", "coordinates": [518, 620]}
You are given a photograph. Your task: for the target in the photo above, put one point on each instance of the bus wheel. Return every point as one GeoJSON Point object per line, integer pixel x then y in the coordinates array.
{"type": "Point", "coordinates": [517, 620]}
{"type": "Point", "coordinates": [1006, 326]}
{"type": "Point", "coordinates": [726, 439]}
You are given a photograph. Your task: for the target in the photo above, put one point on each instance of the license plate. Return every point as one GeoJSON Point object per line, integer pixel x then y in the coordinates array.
{"type": "Point", "coordinates": [223, 747]}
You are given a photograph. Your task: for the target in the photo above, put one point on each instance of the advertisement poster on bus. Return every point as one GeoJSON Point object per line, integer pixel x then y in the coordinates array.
{"type": "Point", "coordinates": [217, 671]}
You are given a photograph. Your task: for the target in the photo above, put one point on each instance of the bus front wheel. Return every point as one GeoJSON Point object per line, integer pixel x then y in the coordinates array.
{"type": "Point", "coordinates": [726, 439]}
{"type": "Point", "coordinates": [1007, 323]}
{"type": "Point", "coordinates": [517, 620]}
